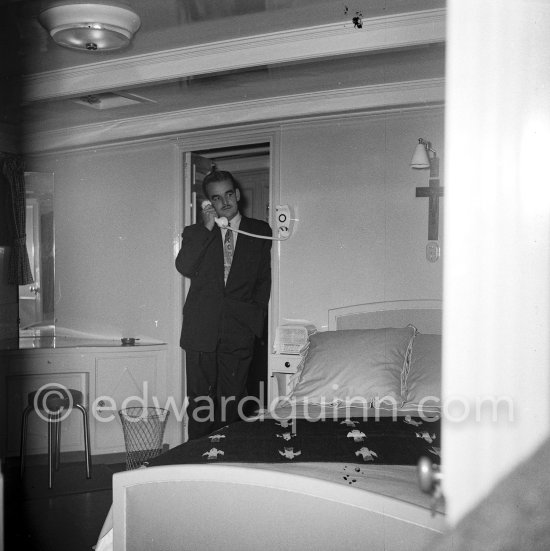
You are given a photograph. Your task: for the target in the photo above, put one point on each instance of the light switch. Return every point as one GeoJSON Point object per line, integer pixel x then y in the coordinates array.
{"type": "Point", "coordinates": [432, 251]}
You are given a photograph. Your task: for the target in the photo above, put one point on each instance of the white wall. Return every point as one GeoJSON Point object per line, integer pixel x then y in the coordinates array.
{"type": "Point", "coordinates": [115, 226]}
{"type": "Point", "coordinates": [497, 302]}
{"type": "Point", "coordinates": [360, 237]}
{"type": "Point", "coordinates": [361, 232]}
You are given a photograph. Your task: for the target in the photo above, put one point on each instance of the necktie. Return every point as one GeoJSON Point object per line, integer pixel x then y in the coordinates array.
{"type": "Point", "coordinates": [227, 253]}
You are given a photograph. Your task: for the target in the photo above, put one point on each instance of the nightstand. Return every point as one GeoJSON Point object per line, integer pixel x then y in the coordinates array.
{"type": "Point", "coordinates": [280, 369]}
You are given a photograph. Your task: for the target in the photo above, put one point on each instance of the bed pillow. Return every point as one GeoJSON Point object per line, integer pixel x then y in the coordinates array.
{"type": "Point", "coordinates": [423, 379]}
{"type": "Point", "coordinates": [355, 366]}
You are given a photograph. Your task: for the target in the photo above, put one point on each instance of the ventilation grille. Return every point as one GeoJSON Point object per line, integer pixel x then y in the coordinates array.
{"type": "Point", "coordinates": [111, 100]}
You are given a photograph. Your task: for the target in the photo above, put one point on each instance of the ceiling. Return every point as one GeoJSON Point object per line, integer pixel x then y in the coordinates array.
{"type": "Point", "coordinates": [205, 63]}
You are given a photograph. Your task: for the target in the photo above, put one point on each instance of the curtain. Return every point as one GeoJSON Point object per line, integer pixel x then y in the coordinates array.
{"type": "Point", "coordinates": [19, 269]}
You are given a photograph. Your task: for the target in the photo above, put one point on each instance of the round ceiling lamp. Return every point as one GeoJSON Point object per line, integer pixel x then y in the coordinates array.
{"type": "Point", "coordinates": [91, 26]}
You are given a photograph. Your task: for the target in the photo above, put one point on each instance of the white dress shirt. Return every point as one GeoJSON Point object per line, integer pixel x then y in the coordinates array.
{"type": "Point", "coordinates": [235, 222]}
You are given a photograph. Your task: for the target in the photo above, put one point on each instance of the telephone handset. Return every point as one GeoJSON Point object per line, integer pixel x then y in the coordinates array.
{"type": "Point", "coordinates": [224, 224]}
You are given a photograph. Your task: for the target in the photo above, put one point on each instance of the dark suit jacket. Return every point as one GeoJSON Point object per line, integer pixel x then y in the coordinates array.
{"type": "Point", "coordinates": [243, 299]}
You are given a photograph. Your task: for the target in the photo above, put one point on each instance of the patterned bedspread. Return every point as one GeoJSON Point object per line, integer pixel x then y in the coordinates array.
{"type": "Point", "coordinates": [386, 441]}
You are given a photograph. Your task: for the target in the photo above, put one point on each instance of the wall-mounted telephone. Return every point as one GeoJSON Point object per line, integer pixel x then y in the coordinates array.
{"type": "Point", "coordinates": [283, 221]}
{"type": "Point", "coordinates": [282, 218]}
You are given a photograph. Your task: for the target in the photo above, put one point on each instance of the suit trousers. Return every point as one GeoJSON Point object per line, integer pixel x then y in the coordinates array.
{"type": "Point", "coordinates": [216, 381]}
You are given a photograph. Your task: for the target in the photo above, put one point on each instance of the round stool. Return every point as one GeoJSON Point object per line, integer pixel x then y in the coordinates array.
{"type": "Point", "coordinates": [55, 403]}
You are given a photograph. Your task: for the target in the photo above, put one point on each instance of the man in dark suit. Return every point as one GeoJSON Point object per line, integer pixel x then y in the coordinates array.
{"type": "Point", "coordinates": [226, 307]}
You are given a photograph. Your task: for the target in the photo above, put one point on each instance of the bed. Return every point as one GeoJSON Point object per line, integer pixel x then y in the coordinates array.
{"type": "Point", "coordinates": [333, 465]}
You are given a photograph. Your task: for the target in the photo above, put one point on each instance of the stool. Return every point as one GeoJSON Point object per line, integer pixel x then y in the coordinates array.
{"type": "Point", "coordinates": [57, 403]}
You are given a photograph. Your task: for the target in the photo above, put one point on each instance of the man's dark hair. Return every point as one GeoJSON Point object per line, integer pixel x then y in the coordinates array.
{"type": "Point", "coordinates": [217, 176]}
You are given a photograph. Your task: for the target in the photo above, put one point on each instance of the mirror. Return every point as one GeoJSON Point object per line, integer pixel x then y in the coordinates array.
{"type": "Point", "coordinates": [36, 301]}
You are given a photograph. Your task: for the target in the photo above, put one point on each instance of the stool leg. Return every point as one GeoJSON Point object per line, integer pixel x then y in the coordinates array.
{"type": "Point", "coordinates": [50, 445]}
{"type": "Point", "coordinates": [86, 440]}
{"type": "Point", "coordinates": [23, 443]}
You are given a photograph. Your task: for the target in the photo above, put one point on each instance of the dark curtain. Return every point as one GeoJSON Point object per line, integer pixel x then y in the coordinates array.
{"type": "Point", "coordinates": [19, 269]}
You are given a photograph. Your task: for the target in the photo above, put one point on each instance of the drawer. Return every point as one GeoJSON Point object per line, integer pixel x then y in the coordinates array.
{"type": "Point", "coordinates": [284, 363]}
{"type": "Point", "coordinates": [27, 364]}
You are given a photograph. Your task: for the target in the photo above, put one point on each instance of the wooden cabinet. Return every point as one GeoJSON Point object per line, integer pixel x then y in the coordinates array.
{"type": "Point", "coordinates": [110, 378]}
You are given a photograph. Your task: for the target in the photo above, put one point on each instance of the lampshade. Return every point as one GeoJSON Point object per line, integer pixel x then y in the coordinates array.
{"type": "Point", "coordinates": [420, 158]}
{"type": "Point", "coordinates": [99, 25]}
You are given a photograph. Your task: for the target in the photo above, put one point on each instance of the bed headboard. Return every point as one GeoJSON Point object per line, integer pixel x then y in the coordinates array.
{"type": "Point", "coordinates": [424, 314]}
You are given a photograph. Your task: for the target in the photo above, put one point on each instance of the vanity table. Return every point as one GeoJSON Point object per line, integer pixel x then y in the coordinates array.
{"type": "Point", "coordinates": [110, 375]}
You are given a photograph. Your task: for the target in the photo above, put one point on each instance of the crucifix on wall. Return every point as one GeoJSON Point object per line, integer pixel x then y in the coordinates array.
{"type": "Point", "coordinates": [433, 192]}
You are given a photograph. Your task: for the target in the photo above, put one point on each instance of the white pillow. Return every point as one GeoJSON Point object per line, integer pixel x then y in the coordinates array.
{"type": "Point", "coordinates": [423, 381]}
{"type": "Point", "coordinates": [362, 366]}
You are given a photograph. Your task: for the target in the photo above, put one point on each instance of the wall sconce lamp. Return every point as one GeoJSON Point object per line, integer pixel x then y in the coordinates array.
{"type": "Point", "coordinates": [98, 25]}
{"type": "Point", "coordinates": [421, 156]}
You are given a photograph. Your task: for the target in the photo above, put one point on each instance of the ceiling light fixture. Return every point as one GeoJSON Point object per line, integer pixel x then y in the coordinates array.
{"type": "Point", "coordinates": [91, 26]}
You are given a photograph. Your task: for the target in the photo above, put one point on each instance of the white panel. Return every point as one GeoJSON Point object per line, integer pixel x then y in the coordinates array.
{"type": "Point", "coordinates": [282, 510]}
{"type": "Point", "coordinates": [114, 241]}
{"type": "Point", "coordinates": [425, 315]}
{"type": "Point", "coordinates": [400, 536]}
{"type": "Point", "coordinates": [497, 301]}
{"type": "Point", "coordinates": [121, 381]}
{"type": "Point", "coordinates": [408, 274]}
{"type": "Point", "coordinates": [360, 233]}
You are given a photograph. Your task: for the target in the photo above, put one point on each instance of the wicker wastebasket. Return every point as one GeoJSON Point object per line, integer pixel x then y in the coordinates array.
{"type": "Point", "coordinates": [143, 429]}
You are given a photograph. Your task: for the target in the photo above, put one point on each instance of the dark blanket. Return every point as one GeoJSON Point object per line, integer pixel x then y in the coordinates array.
{"type": "Point", "coordinates": [384, 441]}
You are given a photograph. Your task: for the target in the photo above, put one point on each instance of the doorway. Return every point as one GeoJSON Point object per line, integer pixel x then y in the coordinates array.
{"type": "Point", "coordinates": [250, 165]}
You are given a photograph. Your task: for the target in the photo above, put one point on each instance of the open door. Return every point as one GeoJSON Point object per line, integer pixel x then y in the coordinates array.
{"type": "Point", "coordinates": [496, 350]}
{"type": "Point", "coordinates": [196, 168]}
{"type": "Point", "coordinates": [30, 296]}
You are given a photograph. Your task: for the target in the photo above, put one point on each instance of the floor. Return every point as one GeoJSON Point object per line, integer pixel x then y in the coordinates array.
{"type": "Point", "coordinates": [67, 518]}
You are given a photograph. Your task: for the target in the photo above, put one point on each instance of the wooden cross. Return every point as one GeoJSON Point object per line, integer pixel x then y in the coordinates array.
{"type": "Point", "coordinates": [434, 192]}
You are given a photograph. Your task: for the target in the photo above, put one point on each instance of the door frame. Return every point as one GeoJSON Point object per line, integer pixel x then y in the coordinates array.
{"type": "Point", "coordinates": [228, 137]}
{"type": "Point", "coordinates": [33, 231]}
